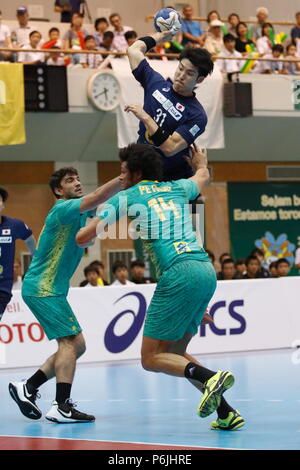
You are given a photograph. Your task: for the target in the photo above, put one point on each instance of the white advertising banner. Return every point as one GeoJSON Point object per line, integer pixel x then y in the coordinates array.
{"type": "Point", "coordinates": [248, 315]}
{"type": "Point", "coordinates": [209, 93]}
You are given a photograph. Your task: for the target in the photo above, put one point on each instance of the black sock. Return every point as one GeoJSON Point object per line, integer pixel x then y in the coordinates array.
{"type": "Point", "coordinates": [196, 372]}
{"type": "Point", "coordinates": [224, 409]}
{"type": "Point", "coordinates": [63, 392]}
{"type": "Point", "coordinates": [38, 379]}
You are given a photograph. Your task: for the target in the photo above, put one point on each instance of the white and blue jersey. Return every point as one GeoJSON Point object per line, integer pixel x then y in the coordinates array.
{"type": "Point", "coordinates": [10, 231]}
{"type": "Point", "coordinates": [172, 112]}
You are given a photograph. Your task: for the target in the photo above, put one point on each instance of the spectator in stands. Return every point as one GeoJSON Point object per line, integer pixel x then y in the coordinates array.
{"type": "Point", "coordinates": [5, 40]}
{"type": "Point", "coordinates": [291, 53]}
{"type": "Point", "coordinates": [295, 31]}
{"type": "Point", "coordinates": [297, 256]}
{"type": "Point", "coordinates": [100, 267]}
{"type": "Point", "coordinates": [262, 14]}
{"type": "Point", "coordinates": [242, 38]}
{"type": "Point", "coordinates": [224, 256]}
{"type": "Point", "coordinates": [101, 26]}
{"type": "Point", "coordinates": [233, 20]}
{"type": "Point", "coordinates": [119, 31]}
{"type": "Point", "coordinates": [214, 39]}
{"type": "Point", "coordinates": [230, 66]}
{"type": "Point", "coordinates": [20, 35]}
{"type": "Point", "coordinates": [264, 44]}
{"type": "Point", "coordinates": [67, 8]}
{"type": "Point", "coordinates": [240, 268]}
{"type": "Point", "coordinates": [252, 268]}
{"type": "Point", "coordinates": [54, 39]}
{"type": "Point", "coordinates": [91, 61]}
{"type": "Point", "coordinates": [272, 67]}
{"type": "Point", "coordinates": [137, 268]}
{"type": "Point", "coordinates": [56, 58]}
{"type": "Point", "coordinates": [74, 37]}
{"type": "Point", "coordinates": [273, 269]}
{"type": "Point", "coordinates": [213, 15]}
{"type": "Point", "coordinates": [283, 267]}
{"type": "Point", "coordinates": [17, 281]}
{"type": "Point", "coordinates": [263, 271]}
{"type": "Point", "coordinates": [108, 42]}
{"type": "Point", "coordinates": [32, 57]}
{"type": "Point", "coordinates": [120, 271]}
{"type": "Point", "coordinates": [91, 275]}
{"type": "Point", "coordinates": [131, 37]}
{"type": "Point", "coordinates": [227, 272]}
{"type": "Point", "coordinates": [192, 34]}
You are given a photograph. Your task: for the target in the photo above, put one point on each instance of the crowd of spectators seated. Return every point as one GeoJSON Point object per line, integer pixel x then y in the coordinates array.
{"type": "Point", "coordinates": [252, 267]}
{"type": "Point", "coordinates": [231, 39]}
{"type": "Point", "coordinates": [95, 277]}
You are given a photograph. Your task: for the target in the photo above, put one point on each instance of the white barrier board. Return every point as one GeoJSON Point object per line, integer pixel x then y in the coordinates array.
{"type": "Point", "coordinates": [248, 315]}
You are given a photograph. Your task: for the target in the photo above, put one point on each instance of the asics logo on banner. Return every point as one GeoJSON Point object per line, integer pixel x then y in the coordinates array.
{"type": "Point", "coordinates": [232, 313]}
{"type": "Point", "coordinates": [5, 239]}
{"type": "Point", "coordinates": [2, 92]}
{"type": "Point", "coordinates": [167, 105]}
{"type": "Point", "coordinates": [117, 344]}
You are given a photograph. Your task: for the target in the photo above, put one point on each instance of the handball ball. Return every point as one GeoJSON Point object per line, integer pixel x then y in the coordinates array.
{"type": "Point", "coordinates": [167, 19]}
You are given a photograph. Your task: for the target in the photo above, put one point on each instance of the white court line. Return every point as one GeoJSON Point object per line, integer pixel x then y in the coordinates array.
{"type": "Point", "coordinates": [116, 399]}
{"type": "Point", "coordinates": [275, 401]}
{"type": "Point", "coordinates": [147, 399]}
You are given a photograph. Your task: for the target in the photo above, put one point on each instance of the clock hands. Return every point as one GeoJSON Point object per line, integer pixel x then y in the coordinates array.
{"type": "Point", "coordinates": [105, 90]}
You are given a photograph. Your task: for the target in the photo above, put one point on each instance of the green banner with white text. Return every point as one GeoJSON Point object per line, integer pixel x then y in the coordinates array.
{"type": "Point", "coordinates": [265, 216]}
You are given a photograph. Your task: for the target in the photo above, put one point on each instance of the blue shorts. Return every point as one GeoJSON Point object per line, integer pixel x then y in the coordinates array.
{"type": "Point", "coordinates": [180, 300]}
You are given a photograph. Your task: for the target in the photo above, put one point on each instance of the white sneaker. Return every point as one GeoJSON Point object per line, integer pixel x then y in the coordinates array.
{"type": "Point", "coordinates": [25, 400]}
{"type": "Point", "coordinates": [66, 413]}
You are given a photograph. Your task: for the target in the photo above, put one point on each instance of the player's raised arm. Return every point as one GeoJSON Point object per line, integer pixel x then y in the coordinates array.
{"type": "Point", "coordinates": [100, 195]}
{"type": "Point", "coordinates": [199, 163]}
{"type": "Point", "coordinates": [136, 52]}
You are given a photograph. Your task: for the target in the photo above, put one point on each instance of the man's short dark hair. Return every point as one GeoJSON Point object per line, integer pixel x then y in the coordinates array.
{"type": "Point", "coordinates": [51, 30]}
{"type": "Point", "coordinates": [224, 254]}
{"type": "Point", "coordinates": [239, 262]}
{"type": "Point", "coordinates": [233, 14]}
{"type": "Point", "coordinates": [143, 158]}
{"type": "Point", "coordinates": [97, 263]}
{"type": "Point", "coordinates": [227, 261]}
{"type": "Point", "coordinates": [100, 20]}
{"type": "Point", "coordinates": [90, 269]}
{"type": "Point", "coordinates": [229, 37]}
{"type": "Point", "coordinates": [282, 261]}
{"type": "Point", "coordinates": [117, 265]}
{"type": "Point", "coordinates": [108, 34]}
{"type": "Point", "coordinates": [3, 194]}
{"type": "Point", "coordinates": [200, 58]}
{"type": "Point", "coordinates": [88, 38]}
{"type": "Point", "coordinates": [278, 48]}
{"type": "Point", "coordinates": [137, 262]}
{"type": "Point", "coordinates": [58, 175]}
{"type": "Point", "coordinates": [251, 258]}
{"type": "Point", "coordinates": [130, 35]}
{"type": "Point", "coordinates": [34, 32]}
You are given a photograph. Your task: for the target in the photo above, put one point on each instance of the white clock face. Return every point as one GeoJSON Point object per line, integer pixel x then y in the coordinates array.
{"type": "Point", "coordinates": [104, 90]}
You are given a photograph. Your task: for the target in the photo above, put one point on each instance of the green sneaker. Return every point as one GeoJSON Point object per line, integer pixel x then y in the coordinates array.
{"type": "Point", "coordinates": [213, 391]}
{"type": "Point", "coordinates": [233, 421]}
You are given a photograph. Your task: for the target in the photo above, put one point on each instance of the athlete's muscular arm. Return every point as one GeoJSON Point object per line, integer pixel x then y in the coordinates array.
{"type": "Point", "coordinates": [198, 162]}
{"type": "Point", "coordinates": [100, 195]}
{"type": "Point", "coordinates": [136, 52]}
{"type": "Point", "coordinates": [87, 234]}
{"type": "Point", "coordinates": [172, 145]}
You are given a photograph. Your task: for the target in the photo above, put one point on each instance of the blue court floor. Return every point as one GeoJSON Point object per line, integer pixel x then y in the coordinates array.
{"type": "Point", "coordinates": [135, 406]}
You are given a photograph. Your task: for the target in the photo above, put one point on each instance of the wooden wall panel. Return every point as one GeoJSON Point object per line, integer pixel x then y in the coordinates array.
{"type": "Point", "coordinates": [216, 219]}
{"type": "Point", "coordinates": [25, 172]}
{"type": "Point", "coordinates": [107, 171]}
{"type": "Point", "coordinates": [243, 171]}
{"type": "Point", "coordinates": [30, 203]}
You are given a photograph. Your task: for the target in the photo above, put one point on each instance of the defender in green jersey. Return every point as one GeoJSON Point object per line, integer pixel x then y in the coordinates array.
{"type": "Point", "coordinates": [187, 279]}
{"type": "Point", "coordinates": [45, 288]}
